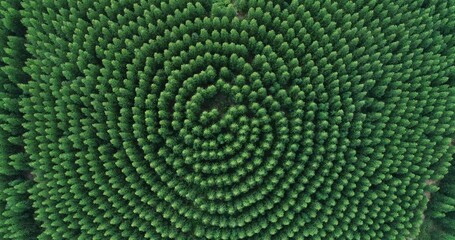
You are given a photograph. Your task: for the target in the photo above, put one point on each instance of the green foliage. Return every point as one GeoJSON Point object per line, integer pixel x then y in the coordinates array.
{"type": "Point", "coordinates": [17, 217]}
{"type": "Point", "coordinates": [227, 119]}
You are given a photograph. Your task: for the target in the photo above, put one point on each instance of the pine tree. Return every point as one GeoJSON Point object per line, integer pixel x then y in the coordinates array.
{"type": "Point", "coordinates": [223, 119]}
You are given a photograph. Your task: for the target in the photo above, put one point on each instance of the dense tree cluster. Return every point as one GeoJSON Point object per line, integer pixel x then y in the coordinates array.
{"type": "Point", "coordinates": [150, 119]}
{"type": "Point", "coordinates": [16, 212]}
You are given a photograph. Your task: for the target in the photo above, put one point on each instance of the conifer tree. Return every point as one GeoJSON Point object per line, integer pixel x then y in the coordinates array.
{"type": "Point", "coordinates": [220, 119]}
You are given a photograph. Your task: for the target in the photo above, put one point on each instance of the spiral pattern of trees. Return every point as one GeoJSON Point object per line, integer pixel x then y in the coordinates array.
{"type": "Point", "coordinates": [227, 119]}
